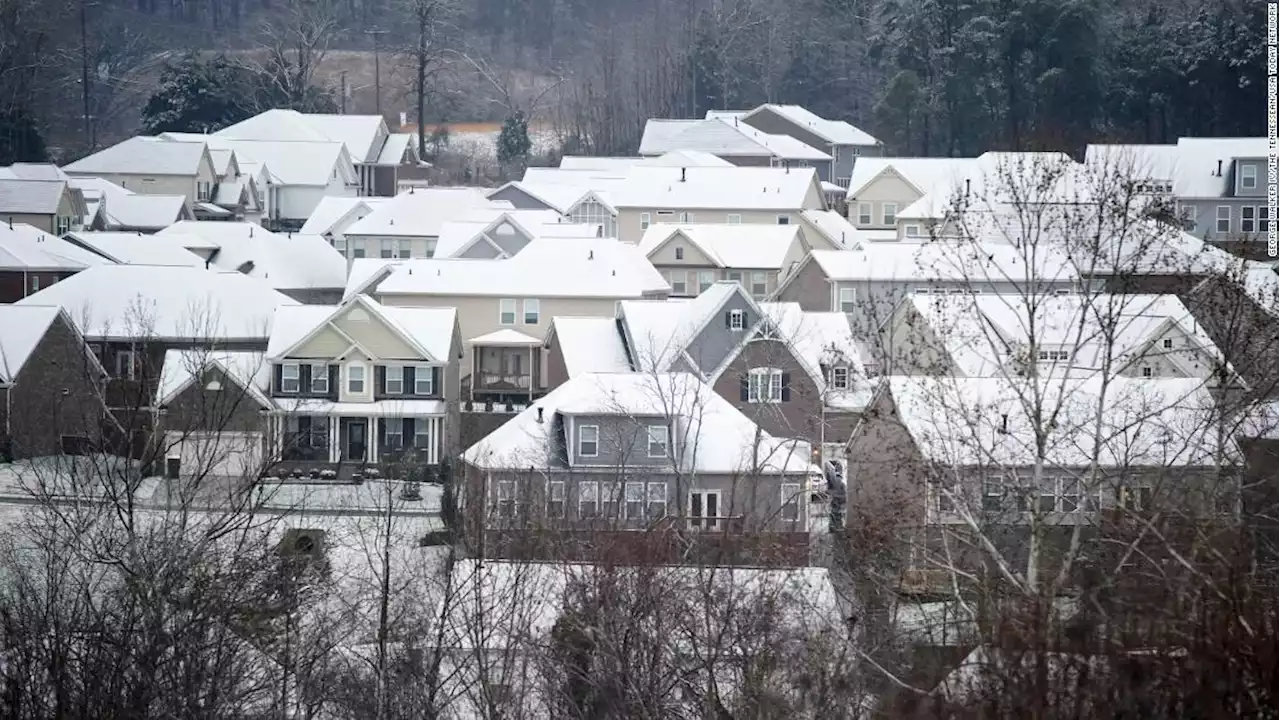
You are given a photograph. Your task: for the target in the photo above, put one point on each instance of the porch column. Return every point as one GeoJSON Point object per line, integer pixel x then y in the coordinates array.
{"type": "Point", "coordinates": [335, 437]}
{"type": "Point", "coordinates": [532, 375]}
{"type": "Point", "coordinates": [371, 439]}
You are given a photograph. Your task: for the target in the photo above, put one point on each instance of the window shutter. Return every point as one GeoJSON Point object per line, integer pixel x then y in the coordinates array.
{"type": "Point", "coordinates": [695, 505]}
{"type": "Point", "coordinates": [334, 380]}
{"type": "Point", "coordinates": [304, 378]}
{"type": "Point", "coordinates": [379, 379]}
{"type": "Point", "coordinates": [382, 432]}
{"type": "Point", "coordinates": [435, 382]}
{"type": "Point", "coordinates": [410, 375]}
{"type": "Point", "coordinates": [407, 430]}
{"type": "Point", "coordinates": [744, 388]}
{"type": "Point", "coordinates": [279, 375]}
{"type": "Point", "coordinates": [728, 321]}
{"type": "Point", "coordinates": [786, 386]}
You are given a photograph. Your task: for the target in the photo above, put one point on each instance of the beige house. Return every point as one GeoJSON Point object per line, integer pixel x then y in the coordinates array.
{"type": "Point", "coordinates": [53, 206]}
{"type": "Point", "coordinates": [153, 166]}
{"type": "Point", "coordinates": [881, 188]}
{"type": "Point", "coordinates": [692, 258]}
{"type": "Point", "coordinates": [516, 297]}
{"type": "Point", "coordinates": [735, 195]}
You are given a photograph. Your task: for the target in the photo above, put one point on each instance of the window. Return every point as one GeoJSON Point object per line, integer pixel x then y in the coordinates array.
{"type": "Point", "coordinates": [1147, 372]}
{"type": "Point", "coordinates": [611, 495]}
{"type": "Point", "coordinates": [403, 249]}
{"type": "Point", "coordinates": [319, 379]}
{"type": "Point", "coordinates": [290, 376]}
{"type": "Point", "coordinates": [764, 385]}
{"type": "Point", "coordinates": [422, 433]}
{"type": "Point", "coordinates": [1248, 177]}
{"type": "Point", "coordinates": [505, 505]}
{"type": "Point", "coordinates": [736, 320]}
{"type": "Point", "coordinates": [848, 298]}
{"type": "Point", "coordinates": [677, 280]}
{"type": "Point", "coordinates": [35, 283]}
{"type": "Point", "coordinates": [679, 253]}
{"type": "Point", "coordinates": [657, 500]}
{"type": "Point", "coordinates": [424, 380]}
{"type": "Point", "coordinates": [1224, 219]}
{"type": "Point", "coordinates": [393, 383]}
{"type": "Point", "coordinates": [790, 502]}
{"type": "Point", "coordinates": [531, 307]}
{"type": "Point", "coordinates": [759, 284]}
{"type": "Point", "coordinates": [784, 219]}
{"type": "Point", "coordinates": [1059, 494]}
{"type": "Point", "coordinates": [645, 221]}
{"type": "Point", "coordinates": [588, 441]}
{"type": "Point", "coordinates": [126, 367]}
{"type": "Point", "coordinates": [658, 441]}
{"type": "Point", "coordinates": [588, 499]}
{"type": "Point", "coordinates": [635, 501]}
{"type": "Point", "coordinates": [1167, 343]}
{"type": "Point", "coordinates": [864, 213]}
{"type": "Point", "coordinates": [992, 494]}
{"type": "Point", "coordinates": [555, 499]}
{"type": "Point", "coordinates": [386, 249]}
{"type": "Point", "coordinates": [706, 278]}
{"type": "Point", "coordinates": [357, 248]}
{"type": "Point", "coordinates": [704, 509]}
{"type": "Point", "coordinates": [393, 435]}
{"type": "Point", "coordinates": [355, 379]}
{"type": "Point", "coordinates": [686, 217]}
{"type": "Point", "coordinates": [1247, 215]}
{"type": "Point", "coordinates": [1136, 498]}
{"type": "Point", "coordinates": [1264, 218]}
{"type": "Point", "coordinates": [889, 213]}
{"type": "Point", "coordinates": [507, 311]}
{"type": "Point", "coordinates": [840, 378]}
{"type": "Point", "coordinates": [203, 189]}
{"type": "Point", "coordinates": [1053, 355]}
{"type": "Point", "coordinates": [62, 225]}
{"type": "Point", "coordinates": [340, 244]}
{"type": "Point", "coordinates": [944, 497]}
{"type": "Point", "coordinates": [733, 219]}
{"type": "Point", "coordinates": [913, 231]}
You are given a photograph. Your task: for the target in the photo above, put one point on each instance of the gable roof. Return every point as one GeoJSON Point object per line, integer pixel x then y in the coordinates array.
{"type": "Point", "coordinates": [732, 188]}
{"type": "Point", "coordinates": [945, 261]}
{"type": "Point", "coordinates": [709, 435]}
{"type": "Point", "coordinates": [31, 197]}
{"type": "Point", "coordinates": [658, 332]}
{"type": "Point", "coordinates": [295, 161]}
{"type": "Point", "coordinates": [1197, 175]}
{"type": "Point", "coordinates": [747, 245]}
{"type": "Point", "coordinates": [21, 329]}
{"type": "Point", "coordinates": [33, 171]}
{"type": "Point", "coordinates": [123, 209]}
{"type": "Point", "coordinates": [823, 339]}
{"type": "Point", "coordinates": [285, 262]}
{"type": "Point", "coordinates": [723, 138]}
{"type": "Point", "coordinates": [545, 268]}
{"type": "Point", "coordinates": [1146, 422]}
{"type": "Point", "coordinates": [131, 248]}
{"type": "Point", "coordinates": [839, 233]}
{"type": "Point", "coordinates": [181, 368]}
{"type": "Point", "coordinates": [837, 132]}
{"type": "Point", "coordinates": [359, 133]}
{"type": "Point", "coordinates": [458, 236]}
{"type": "Point", "coordinates": [420, 212]}
{"type": "Point", "coordinates": [129, 302]}
{"type": "Point", "coordinates": [924, 174]}
{"type": "Point", "coordinates": [427, 330]}
{"type": "Point", "coordinates": [998, 179]}
{"type": "Point", "coordinates": [333, 209]}
{"type": "Point", "coordinates": [142, 155]}
{"type": "Point", "coordinates": [23, 247]}
{"type": "Point", "coordinates": [589, 344]}
{"type": "Point", "coordinates": [555, 196]}
{"type": "Point", "coordinates": [395, 147]}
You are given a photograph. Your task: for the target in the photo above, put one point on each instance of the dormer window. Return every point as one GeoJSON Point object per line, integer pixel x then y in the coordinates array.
{"type": "Point", "coordinates": [1167, 343]}
{"type": "Point", "coordinates": [588, 441]}
{"type": "Point", "coordinates": [290, 377]}
{"type": "Point", "coordinates": [840, 378]}
{"type": "Point", "coordinates": [1248, 177]}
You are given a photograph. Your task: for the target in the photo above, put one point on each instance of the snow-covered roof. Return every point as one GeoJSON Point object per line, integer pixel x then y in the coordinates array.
{"type": "Point", "coordinates": [686, 158]}
{"type": "Point", "coordinates": [747, 245]}
{"type": "Point", "coordinates": [838, 231]}
{"type": "Point", "coordinates": [129, 302]}
{"type": "Point", "coordinates": [21, 329]}
{"type": "Point", "coordinates": [732, 188]}
{"type": "Point", "coordinates": [420, 212]}
{"type": "Point", "coordinates": [142, 155]}
{"type": "Point", "coordinates": [925, 174]}
{"type": "Point", "coordinates": [131, 248]}
{"type": "Point", "coordinates": [505, 337]}
{"type": "Point", "coordinates": [724, 138]}
{"type": "Point", "coordinates": [820, 340]}
{"type": "Point", "coordinates": [334, 209]}
{"type": "Point", "coordinates": [587, 162]}
{"type": "Point", "coordinates": [289, 161]}
{"type": "Point", "coordinates": [33, 171]}
{"type": "Point", "coordinates": [589, 344]}
{"type": "Point", "coordinates": [995, 180]}
{"type": "Point", "coordinates": [1198, 174]}
{"type": "Point", "coordinates": [24, 247]}
{"type": "Point", "coordinates": [556, 196]}
{"type": "Point", "coordinates": [837, 132]}
{"type": "Point", "coordinates": [709, 435]}
{"type": "Point", "coordinates": [1262, 284]}
{"type": "Point", "coordinates": [250, 370]}
{"type": "Point", "coordinates": [123, 209]}
{"type": "Point", "coordinates": [286, 262]}
{"type": "Point", "coordinates": [946, 261]}
{"type": "Point", "coordinates": [359, 133]}
{"type": "Point", "coordinates": [30, 197]}
{"type": "Point", "coordinates": [545, 268]}
{"type": "Point", "coordinates": [457, 235]}
{"type": "Point", "coordinates": [394, 149]}
{"type": "Point", "coordinates": [1150, 162]}
{"type": "Point", "coordinates": [1146, 422]}
{"type": "Point", "coordinates": [659, 332]}
{"type": "Point", "coordinates": [429, 330]}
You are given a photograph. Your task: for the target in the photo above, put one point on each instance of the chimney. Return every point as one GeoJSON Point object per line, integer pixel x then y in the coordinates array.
{"type": "Point", "coordinates": [539, 415]}
{"type": "Point", "coordinates": [250, 231]}
{"type": "Point", "coordinates": [1219, 168]}
{"type": "Point", "coordinates": [683, 175]}
{"type": "Point", "coordinates": [966, 186]}
{"type": "Point", "coordinates": [1004, 423]}
{"type": "Point", "coordinates": [591, 254]}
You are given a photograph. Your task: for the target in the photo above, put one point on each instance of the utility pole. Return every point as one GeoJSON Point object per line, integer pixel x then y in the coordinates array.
{"type": "Point", "coordinates": [376, 32]}
{"type": "Point", "coordinates": [84, 72]}
{"type": "Point", "coordinates": [343, 75]}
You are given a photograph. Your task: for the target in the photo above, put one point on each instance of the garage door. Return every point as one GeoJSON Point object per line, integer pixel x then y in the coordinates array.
{"type": "Point", "coordinates": [223, 454]}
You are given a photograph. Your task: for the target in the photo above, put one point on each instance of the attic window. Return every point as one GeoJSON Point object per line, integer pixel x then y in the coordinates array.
{"type": "Point", "coordinates": [1167, 343]}
{"type": "Point", "coordinates": [735, 320]}
{"type": "Point", "coordinates": [505, 229]}
{"type": "Point", "coordinates": [840, 378]}
{"type": "Point", "coordinates": [679, 253]}
{"type": "Point", "coordinates": [1147, 372]}
{"type": "Point", "coordinates": [213, 386]}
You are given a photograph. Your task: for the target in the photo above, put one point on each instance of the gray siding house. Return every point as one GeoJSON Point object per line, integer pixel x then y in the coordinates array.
{"type": "Point", "coordinates": [842, 141]}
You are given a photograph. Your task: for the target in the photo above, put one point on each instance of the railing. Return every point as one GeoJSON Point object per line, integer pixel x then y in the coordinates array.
{"type": "Point", "coordinates": [495, 381]}
{"type": "Point", "coordinates": [493, 407]}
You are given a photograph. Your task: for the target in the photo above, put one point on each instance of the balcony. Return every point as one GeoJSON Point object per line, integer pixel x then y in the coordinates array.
{"type": "Point", "coordinates": [506, 366]}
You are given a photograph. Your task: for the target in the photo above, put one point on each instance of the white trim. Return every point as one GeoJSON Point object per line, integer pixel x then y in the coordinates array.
{"type": "Point", "coordinates": [284, 368]}
{"type": "Point", "coordinates": [704, 521]}
{"type": "Point", "coordinates": [364, 377]}
{"type": "Point", "coordinates": [515, 317]}
{"type": "Point", "coordinates": [665, 440]}
{"type": "Point", "coordinates": [578, 449]}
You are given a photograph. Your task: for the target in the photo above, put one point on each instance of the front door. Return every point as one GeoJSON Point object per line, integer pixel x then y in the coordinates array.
{"type": "Point", "coordinates": [357, 439]}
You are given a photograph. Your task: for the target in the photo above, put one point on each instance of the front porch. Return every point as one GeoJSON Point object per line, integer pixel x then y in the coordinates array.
{"type": "Point", "coordinates": [506, 369]}
{"type": "Point", "coordinates": [350, 440]}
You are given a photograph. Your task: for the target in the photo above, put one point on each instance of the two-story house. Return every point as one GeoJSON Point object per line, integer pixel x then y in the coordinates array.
{"type": "Point", "coordinates": [31, 260]}
{"type": "Point", "coordinates": [732, 140]}
{"type": "Point", "coordinates": [236, 195]}
{"type": "Point", "coordinates": [518, 296]}
{"type": "Point", "coordinates": [408, 225]}
{"type": "Point", "coordinates": [845, 143]}
{"type": "Point", "coordinates": [492, 238]}
{"type": "Point", "coordinates": [362, 385]}
{"type": "Point", "coordinates": [769, 196]}
{"type": "Point", "coordinates": [694, 257]}
{"type": "Point", "coordinates": [132, 315]}
{"type": "Point", "coordinates": [50, 385]}
{"type": "Point", "coordinates": [609, 463]}
{"type": "Point", "coordinates": [881, 187]}
{"type": "Point", "coordinates": [334, 214]}
{"type": "Point", "coordinates": [113, 208]}
{"type": "Point", "coordinates": [153, 166]}
{"type": "Point", "coordinates": [53, 205]}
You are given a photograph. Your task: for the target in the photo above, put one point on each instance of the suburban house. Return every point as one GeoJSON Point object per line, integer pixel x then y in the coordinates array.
{"type": "Point", "coordinates": [408, 225]}
{"type": "Point", "coordinates": [362, 388]}
{"type": "Point", "coordinates": [881, 187]}
{"type": "Point", "coordinates": [728, 139]}
{"type": "Point", "coordinates": [769, 196]}
{"type": "Point", "coordinates": [304, 267]}
{"type": "Point", "coordinates": [694, 257]}
{"type": "Point", "coordinates": [491, 238]}
{"type": "Point", "coordinates": [845, 143]}
{"type": "Point", "coordinates": [236, 196]}
{"type": "Point", "coordinates": [32, 259]}
{"type": "Point", "coordinates": [575, 204]}
{"type": "Point", "coordinates": [335, 214]}
{"type": "Point", "coordinates": [831, 228]}
{"type": "Point", "coordinates": [606, 462]}
{"type": "Point", "coordinates": [960, 455]}
{"type": "Point", "coordinates": [504, 306]}
{"type": "Point", "coordinates": [1077, 335]}
{"type": "Point", "coordinates": [54, 206]}
{"type": "Point", "coordinates": [51, 386]}
{"type": "Point", "coordinates": [377, 153]}
{"type": "Point", "coordinates": [795, 374]}
{"type": "Point", "coordinates": [111, 207]}
{"type": "Point", "coordinates": [1238, 311]}
{"type": "Point", "coordinates": [153, 166]}
{"type": "Point", "coordinates": [131, 315]}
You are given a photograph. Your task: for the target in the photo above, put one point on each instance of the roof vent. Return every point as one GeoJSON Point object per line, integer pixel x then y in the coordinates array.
{"type": "Point", "coordinates": [684, 174]}
{"type": "Point", "coordinates": [1219, 173]}
{"type": "Point", "coordinates": [591, 254]}
{"type": "Point", "coordinates": [250, 231]}
{"type": "Point", "coordinates": [393, 221]}
{"type": "Point", "coordinates": [1004, 423]}
{"type": "Point", "coordinates": [539, 414]}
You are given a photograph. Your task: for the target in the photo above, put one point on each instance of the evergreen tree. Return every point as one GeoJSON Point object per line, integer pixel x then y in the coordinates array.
{"type": "Point", "coordinates": [197, 96]}
{"type": "Point", "coordinates": [513, 142]}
